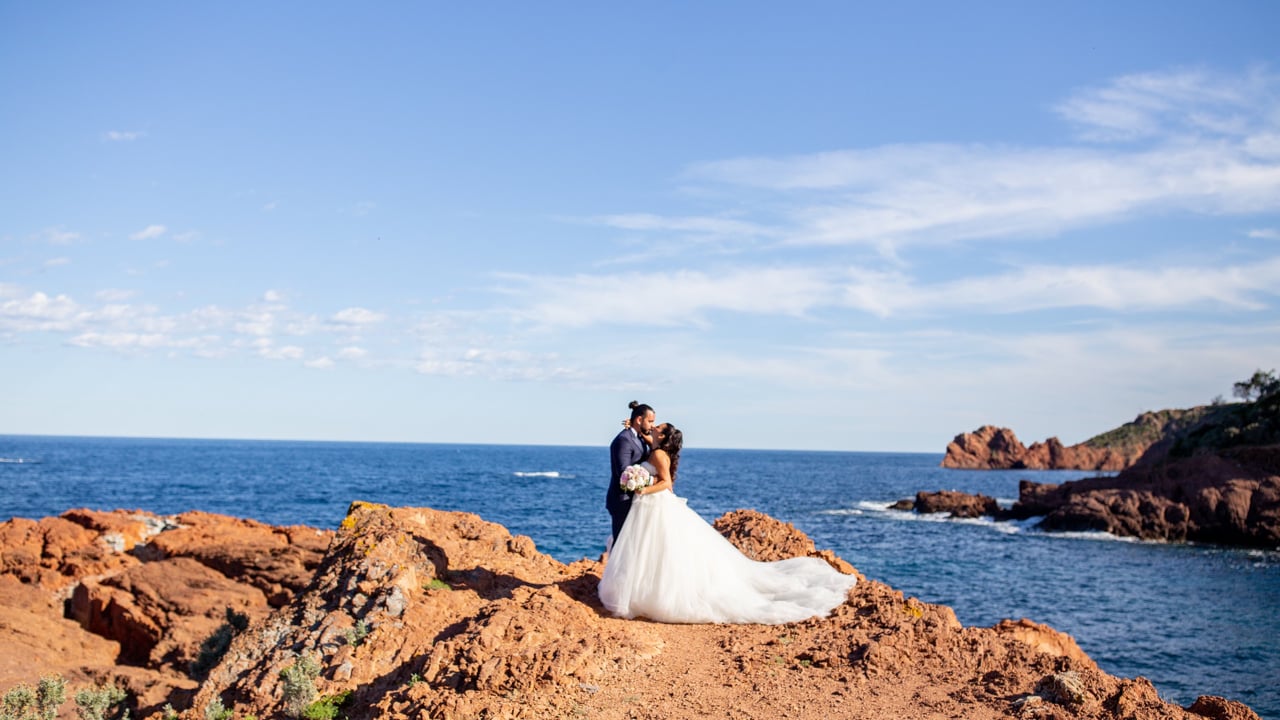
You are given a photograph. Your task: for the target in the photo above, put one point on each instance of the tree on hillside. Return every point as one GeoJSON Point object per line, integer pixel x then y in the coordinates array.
{"type": "Point", "coordinates": [1261, 385]}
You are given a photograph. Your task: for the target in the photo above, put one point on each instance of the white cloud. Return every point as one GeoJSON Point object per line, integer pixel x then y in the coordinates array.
{"type": "Point", "coordinates": [352, 353]}
{"type": "Point", "coordinates": [39, 312]}
{"type": "Point", "coordinates": [119, 341]}
{"type": "Point", "coordinates": [1212, 147]}
{"type": "Point", "coordinates": [270, 206]}
{"type": "Point", "coordinates": [267, 349]}
{"type": "Point", "coordinates": [273, 296]}
{"type": "Point", "coordinates": [1121, 289]}
{"type": "Point", "coordinates": [150, 232]}
{"type": "Point", "coordinates": [693, 224]}
{"type": "Point", "coordinates": [1192, 101]}
{"type": "Point", "coordinates": [686, 298]}
{"type": "Point", "coordinates": [680, 297]}
{"type": "Point", "coordinates": [1265, 233]}
{"type": "Point", "coordinates": [357, 316]}
{"type": "Point", "coordinates": [505, 365]}
{"type": "Point", "coordinates": [57, 262]}
{"type": "Point", "coordinates": [58, 236]}
{"type": "Point", "coordinates": [255, 322]}
{"type": "Point", "coordinates": [123, 135]}
{"type": "Point", "coordinates": [322, 363]}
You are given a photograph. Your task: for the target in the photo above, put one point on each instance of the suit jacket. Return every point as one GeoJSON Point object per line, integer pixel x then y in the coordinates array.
{"type": "Point", "coordinates": [626, 450]}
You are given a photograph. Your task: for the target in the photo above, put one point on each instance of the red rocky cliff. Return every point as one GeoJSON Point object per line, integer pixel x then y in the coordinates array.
{"type": "Point", "coordinates": [414, 612]}
{"type": "Point", "coordinates": [994, 448]}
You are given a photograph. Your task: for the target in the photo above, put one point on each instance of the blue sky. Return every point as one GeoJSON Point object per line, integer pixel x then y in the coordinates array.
{"type": "Point", "coordinates": [810, 226]}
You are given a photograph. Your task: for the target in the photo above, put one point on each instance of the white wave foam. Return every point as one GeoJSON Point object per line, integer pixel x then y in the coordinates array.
{"type": "Point", "coordinates": [1030, 526]}
{"type": "Point", "coordinates": [544, 473]}
{"type": "Point", "coordinates": [16, 461]}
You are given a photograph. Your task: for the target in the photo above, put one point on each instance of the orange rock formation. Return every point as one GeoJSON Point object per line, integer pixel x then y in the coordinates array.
{"type": "Point", "coordinates": [413, 612]}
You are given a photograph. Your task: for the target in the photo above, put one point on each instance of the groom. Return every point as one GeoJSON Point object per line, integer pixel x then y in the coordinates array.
{"type": "Point", "coordinates": [628, 448]}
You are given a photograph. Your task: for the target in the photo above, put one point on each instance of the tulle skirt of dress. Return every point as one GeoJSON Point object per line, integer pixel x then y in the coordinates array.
{"type": "Point", "coordinates": [670, 565]}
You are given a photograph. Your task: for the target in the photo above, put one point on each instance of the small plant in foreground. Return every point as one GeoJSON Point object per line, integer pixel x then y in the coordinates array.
{"type": "Point", "coordinates": [215, 710]}
{"type": "Point", "coordinates": [357, 633]}
{"type": "Point", "coordinates": [326, 708]}
{"type": "Point", "coordinates": [437, 584]}
{"type": "Point", "coordinates": [19, 703]}
{"type": "Point", "coordinates": [93, 703]}
{"type": "Point", "coordinates": [216, 645]}
{"type": "Point", "coordinates": [299, 684]}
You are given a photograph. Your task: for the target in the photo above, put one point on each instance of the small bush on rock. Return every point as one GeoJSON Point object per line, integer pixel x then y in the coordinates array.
{"type": "Point", "coordinates": [216, 645]}
{"type": "Point", "coordinates": [94, 703]}
{"type": "Point", "coordinates": [326, 708]}
{"type": "Point", "coordinates": [299, 685]}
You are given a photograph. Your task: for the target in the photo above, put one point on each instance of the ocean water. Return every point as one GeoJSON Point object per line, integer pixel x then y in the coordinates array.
{"type": "Point", "coordinates": [1193, 619]}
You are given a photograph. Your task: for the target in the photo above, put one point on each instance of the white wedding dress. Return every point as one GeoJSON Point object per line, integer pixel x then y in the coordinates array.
{"type": "Point", "coordinates": [670, 565]}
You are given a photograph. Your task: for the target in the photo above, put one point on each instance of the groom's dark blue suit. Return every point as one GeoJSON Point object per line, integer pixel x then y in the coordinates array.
{"type": "Point", "coordinates": [626, 450]}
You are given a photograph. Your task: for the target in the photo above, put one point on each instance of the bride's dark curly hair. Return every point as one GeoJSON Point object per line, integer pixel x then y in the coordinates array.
{"type": "Point", "coordinates": [671, 441]}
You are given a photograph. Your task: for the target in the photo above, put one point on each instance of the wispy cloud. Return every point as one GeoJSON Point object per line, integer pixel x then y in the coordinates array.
{"type": "Point", "coordinates": [357, 316]}
{"type": "Point", "coordinates": [57, 262]}
{"type": "Point", "coordinates": [715, 226]}
{"type": "Point", "coordinates": [1211, 146]}
{"type": "Point", "coordinates": [496, 365]}
{"type": "Point", "coordinates": [123, 135]}
{"type": "Point", "coordinates": [1264, 233]}
{"type": "Point", "coordinates": [58, 236]}
{"type": "Point", "coordinates": [150, 232]}
{"type": "Point", "coordinates": [1181, 102]}
{"type": "Point", "coordinates": [674, 298]}
{"type": "Point", "coordinates": [688, 298]}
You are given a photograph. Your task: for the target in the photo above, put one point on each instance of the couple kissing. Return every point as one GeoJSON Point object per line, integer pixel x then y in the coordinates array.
{"type": "Point", "coordinates": [666, 563]}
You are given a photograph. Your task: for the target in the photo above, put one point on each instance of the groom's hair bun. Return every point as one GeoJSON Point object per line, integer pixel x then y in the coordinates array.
{"type": "Point", "coordinates": [639, 410]}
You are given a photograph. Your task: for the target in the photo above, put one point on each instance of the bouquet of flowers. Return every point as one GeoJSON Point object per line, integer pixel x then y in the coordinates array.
{"type": "Point", "coordinates": [634, 478]}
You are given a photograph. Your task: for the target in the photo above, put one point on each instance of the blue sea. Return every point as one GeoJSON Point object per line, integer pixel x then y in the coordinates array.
{"type": "Point", "coordinates": [1193, 619]}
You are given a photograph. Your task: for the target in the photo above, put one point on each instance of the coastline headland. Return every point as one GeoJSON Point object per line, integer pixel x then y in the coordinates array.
{"type": "Point", "coordinates": [415, 612]}
{"type": "Point", "coordinates": [1206, 474]}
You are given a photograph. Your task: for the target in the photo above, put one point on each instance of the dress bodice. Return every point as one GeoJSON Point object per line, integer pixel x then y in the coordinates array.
{"type": "Point", "coordinates": [650, 467]}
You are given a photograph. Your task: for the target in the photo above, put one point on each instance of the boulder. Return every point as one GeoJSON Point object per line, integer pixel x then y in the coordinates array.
{"type": "Point", "coordinates": [959, 504]}
{"type": "Point", "coordinates": [278, 561]}
{"type": "Point", "coordinates": [160, 612]}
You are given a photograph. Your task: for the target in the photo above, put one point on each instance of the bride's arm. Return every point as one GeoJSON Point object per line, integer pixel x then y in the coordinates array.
{"type": "Point", "coordinates": [662, 475]}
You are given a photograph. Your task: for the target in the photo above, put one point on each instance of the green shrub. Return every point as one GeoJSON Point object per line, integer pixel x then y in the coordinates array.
{"type": "Point", "coordinates": [215, 710]}
{"type": "Point", "coordinates": [215, 646]}
{"type": "Point", "coordinates": [19, 703]}
{"type": "Point", "coordinates": [326, 708]}
{"type": "Point", "coordinates": [299, 684]}
{"type": "Point", "coordinates": [357, 633]}
{"type": "Point", "coordinates": [437, 584]}
{"type": "Point", "coordinates": [93, 703]}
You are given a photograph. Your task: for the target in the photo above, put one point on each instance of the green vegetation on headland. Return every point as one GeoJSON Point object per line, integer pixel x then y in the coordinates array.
{"type": "Point", "coordinates": [1206, 428]}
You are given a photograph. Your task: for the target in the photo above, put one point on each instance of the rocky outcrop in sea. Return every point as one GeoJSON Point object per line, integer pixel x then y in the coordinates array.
{"type": "Point", "coordinates": [1207, 474]}
{"type": "Point", "coordinates": [415, 612]}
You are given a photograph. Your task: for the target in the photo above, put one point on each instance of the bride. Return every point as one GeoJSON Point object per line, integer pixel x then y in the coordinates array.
{"type": "Point", "coordinates": [670, 565]}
